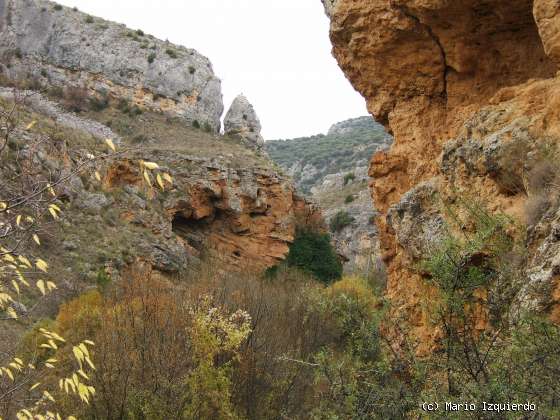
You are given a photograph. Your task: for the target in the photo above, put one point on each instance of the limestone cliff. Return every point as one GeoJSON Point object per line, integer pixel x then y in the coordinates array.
{"type": "Point", "coordinates": [160, 103]}
{"type": "Point", "coordinates": [470, 90]}
{"type": "Point", "coordinates": [59, 46]}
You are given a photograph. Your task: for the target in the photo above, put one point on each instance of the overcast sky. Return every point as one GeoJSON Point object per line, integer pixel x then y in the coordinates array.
{"type": "Point", "coordinates": [277, 53]}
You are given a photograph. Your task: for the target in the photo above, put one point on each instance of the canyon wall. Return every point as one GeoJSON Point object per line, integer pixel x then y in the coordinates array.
{"type": "Point", "coordinates": [469, 89]}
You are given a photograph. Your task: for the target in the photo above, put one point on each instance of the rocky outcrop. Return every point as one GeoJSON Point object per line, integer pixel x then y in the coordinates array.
{"type": "Point", "coordinates": [242, 122]}
{"type": "Point", "coordinates": [469, 89]}
{"type": "Point", "coordinates": [245, 217]}
{"type": "Point", "coordinates": [59, 46]}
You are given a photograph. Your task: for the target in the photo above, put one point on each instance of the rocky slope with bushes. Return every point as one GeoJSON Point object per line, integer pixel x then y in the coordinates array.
{"type": "Point", "coordinates": [332, 170]}
{"type": "Point", "coordinates": [470, 91]}
{"type": "Point", "coordinates": [347, 145]}
{"type": "Point", "coordinates": [227, 200]}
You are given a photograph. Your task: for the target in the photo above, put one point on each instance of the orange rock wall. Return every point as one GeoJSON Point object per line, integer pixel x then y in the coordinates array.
{"type": "Point", "coordinates": [436, 70]}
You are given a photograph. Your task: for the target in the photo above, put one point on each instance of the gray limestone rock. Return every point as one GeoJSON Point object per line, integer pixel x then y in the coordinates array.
{"type": "Point", "coordinates": [242, 121]}
{"type": "Point", "coordinates": [92, 203]}
{"type": "Point", "coordinates": [63, 47]}
{"type": "Point", "coordinates": [417, 221]}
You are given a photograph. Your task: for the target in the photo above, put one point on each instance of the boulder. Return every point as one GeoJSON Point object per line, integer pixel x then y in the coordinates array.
{"type": "Point", "coordinates": [242, 122]}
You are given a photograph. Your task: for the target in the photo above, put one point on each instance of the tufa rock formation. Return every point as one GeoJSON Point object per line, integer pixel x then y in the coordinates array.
{"type": "Point", "coordinates": [63, 47]}
{"type": "Point", "coordinates": [241, 121]}
{"type": "Point", "coordinates": [470, 89]}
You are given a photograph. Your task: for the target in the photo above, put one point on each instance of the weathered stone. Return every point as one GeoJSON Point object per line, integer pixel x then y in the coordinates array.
{"type": "Point", "coordinates": [242, 121]}
{"type": "Point", "coordinates": [91, 203]}
{"type": "Point", "coordinates": [476, 80]}
{"type": "Point", "coordinates": [67, 48]}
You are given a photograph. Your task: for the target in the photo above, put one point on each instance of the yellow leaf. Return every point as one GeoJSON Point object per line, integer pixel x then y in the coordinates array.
{"type": "Point", "coordinates": [16, 286]}
{"type": "Point", "coordinates": [41, 265]}
{"type": "Point", "coordinates": [54, 206]}
{"type": "Point", "coordinates": [97, 176]}
{"type": "Point", "coordinates": [49, 365]}
{"type": "Point", "coordinates": [31, 125]}
{"type": "Point", "coordinates": [160, 182]}
{"type": "Point", "coordinates": [147, 178]}
{"type": "Point", "coordinates": [48, 395]}
{"type": "Point", "coordinates": [35, 386]}
{"type": "Point", "coordinates": [168, 178]}
{"type": "Point", "coordinates": [53, 213]}
{"type": "Point", "coordinates": [151, 165]}
{"type": "Point", "coordinates": [111, 144]}
{"type": "Point", "coordinates": [36, 239]}
{"type": "Point", "coordinates": [12, 313]}
{"type": "Point", "coordinates": [15, 366]}
{"type": "Point", "coordinates": [83, 374]}
{"type": "Point", "coordinates": [24, 261]}
{"type": "Point", "coordinates": [91, 343]}
{"type": "Point", "coordinates": [50, 286]}
{"type": "Point", "coordinates": [41, 286]}
{"type": "Point", "coordinates": [3, 206]}
{"type": "Point", "coordinates": [18, 219]}
{"type": "Point", "coordinates": [51, 190]}
{"type": "Point", "coordinates": [9, 373]}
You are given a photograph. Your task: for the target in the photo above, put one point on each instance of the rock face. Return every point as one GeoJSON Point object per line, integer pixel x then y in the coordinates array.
{"type": "Point", "coordinates": [58, 46]}
{"type": "Point", "coordinates": [226, 200]}
{"type": "Point", "coordinates": [357, 242]}
{"type": "Point", "coordinates": [241, 121]}
{"type": "Point", "coordinates": [469, 89]}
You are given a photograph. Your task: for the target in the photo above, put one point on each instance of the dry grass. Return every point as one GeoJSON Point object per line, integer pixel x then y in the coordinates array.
{"type": "Point", "coordinates": [173, 134]}
{"type": "Point", "coordinates": [336, 197]}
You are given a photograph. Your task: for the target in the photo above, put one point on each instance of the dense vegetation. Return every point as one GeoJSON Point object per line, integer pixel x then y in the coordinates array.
{"type": "Point", "coordinates": [222, 345]}
{"type": "Point", "coordinates": [339, 151]}
{"type": "Point", "coordinates": [313, 253]}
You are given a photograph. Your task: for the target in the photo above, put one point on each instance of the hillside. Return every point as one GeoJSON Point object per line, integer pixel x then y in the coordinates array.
{"type": "Point", "coordinates": [331, 169]}
{"type": "Point", "coordinates": [153, 268]}
{"type": "Point", "coordinates": [347, 145]}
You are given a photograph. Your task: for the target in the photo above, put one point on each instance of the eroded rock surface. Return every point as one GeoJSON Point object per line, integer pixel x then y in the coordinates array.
{"type": "Point", "coordinates": [470, 90]}
{"type": "Point", "coordinates": [59, 46]}
{"type": "Point", "coordinates": [241, 121]}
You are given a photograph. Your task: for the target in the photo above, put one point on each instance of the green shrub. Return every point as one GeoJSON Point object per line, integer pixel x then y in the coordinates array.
{"type": "Point", "coordinates": [349, 177]}
{"type": "Point", "coordinates": [151, 57]}
{"type": "Point", "coordinates": [196, 124]}
{"type": "Point", "coordinates": [140, 32]}
{"type": "Point", "coordinates": [102, 279]}
{"type": "Point", "coordinates": [89, 19]}
{"type": "Point", "coordinates": [192, 70]}
{"type": "Point", "coordinates": [349, 198]}
{"type": "Point", "coordinates": [171, 53]}
{"type": "Point", "coordinates": [57, 7]}
{"type": "Point", "coordinates": [313, 253]}
{"type": "Point", "coordinates": [207, 127]}
{"type": "Point", "coordinates": [340, 220]}
{"type": "Point", "coordinates": [98, 104]}
{"type": "Point", "coordinates": [123, 106]}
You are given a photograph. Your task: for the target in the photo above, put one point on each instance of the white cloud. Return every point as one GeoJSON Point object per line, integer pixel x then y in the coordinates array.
{"type": "Point", "coordinates": [276, 52]}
